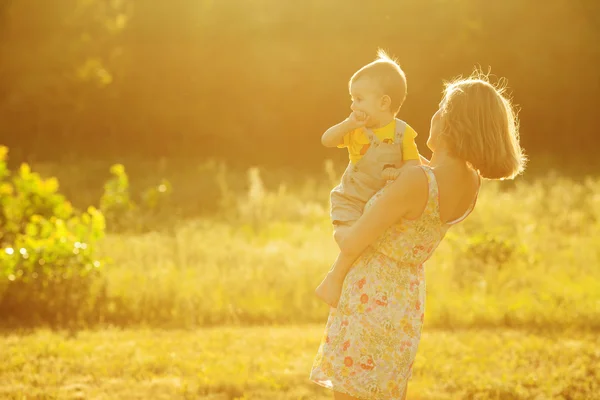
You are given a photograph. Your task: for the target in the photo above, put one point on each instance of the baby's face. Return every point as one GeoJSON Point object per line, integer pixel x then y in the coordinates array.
{"type": "Point", "coordinates": [366, 97]}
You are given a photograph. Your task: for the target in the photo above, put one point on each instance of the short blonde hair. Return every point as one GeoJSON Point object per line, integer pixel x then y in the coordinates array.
{"type": "Point", "coordinates": [481, 127]}
{"type": "Point", "coordinates": [389, 76]}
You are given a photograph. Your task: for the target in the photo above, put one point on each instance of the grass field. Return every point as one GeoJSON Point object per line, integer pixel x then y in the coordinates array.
{"type": "Point", "coordinates": [274, 363]}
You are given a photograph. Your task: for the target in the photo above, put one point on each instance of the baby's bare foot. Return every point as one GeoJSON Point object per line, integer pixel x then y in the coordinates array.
{"type": "Point", "coordinates": [330, 289]}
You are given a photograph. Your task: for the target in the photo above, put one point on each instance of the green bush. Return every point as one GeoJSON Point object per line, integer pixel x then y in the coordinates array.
{"type": "Point", "coordinates": [48, 266]}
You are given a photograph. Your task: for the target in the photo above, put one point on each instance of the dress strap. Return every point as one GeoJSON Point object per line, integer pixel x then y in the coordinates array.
{"type": "Point", "coordinates": [433, 198]}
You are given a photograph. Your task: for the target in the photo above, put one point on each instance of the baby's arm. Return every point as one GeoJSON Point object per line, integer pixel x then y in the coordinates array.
{"type": "Point", "coordinates": [334, 136]}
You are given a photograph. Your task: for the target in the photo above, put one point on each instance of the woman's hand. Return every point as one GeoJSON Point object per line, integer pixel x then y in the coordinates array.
{"type": "Point", "coordinates": [390, 174]}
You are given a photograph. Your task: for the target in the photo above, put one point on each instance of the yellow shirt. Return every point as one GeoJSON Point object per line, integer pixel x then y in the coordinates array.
{"type": "Point", "coordinates": [357, 141]}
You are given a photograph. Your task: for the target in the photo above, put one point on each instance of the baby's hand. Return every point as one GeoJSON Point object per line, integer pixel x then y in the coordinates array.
{"type": "Point", "coordinates": [390, 174]}
{"type": "Point", "coordinates": [358, 119]}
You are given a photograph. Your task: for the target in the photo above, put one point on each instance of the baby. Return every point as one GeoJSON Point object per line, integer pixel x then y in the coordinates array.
{"type": "Point", "coordinates": [378, 143]}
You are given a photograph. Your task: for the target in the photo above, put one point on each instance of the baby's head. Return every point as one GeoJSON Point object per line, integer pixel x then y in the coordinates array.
{"type": "Point", "coordinates": [476, 122]}
{"type": "Point", "coordinates": [378, 89]}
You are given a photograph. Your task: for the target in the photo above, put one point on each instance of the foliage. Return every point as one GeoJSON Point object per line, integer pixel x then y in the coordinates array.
{"type": "Point", "coordinates": [253, 255]}
{"type": "Point", "coordinates": [47, 250]}
{"type": "Point", "coordinates": [124, 215]}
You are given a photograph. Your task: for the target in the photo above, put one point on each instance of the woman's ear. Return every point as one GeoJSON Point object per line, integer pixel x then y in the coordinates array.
{"type": "Point", "coordinates": [440, 122]}
{"type": "Point", "coordinates": [443, 124]}
{"type": "Point", "coordinates": [386, 102]}
{"type": "Point", "coordinates": [443, 136]}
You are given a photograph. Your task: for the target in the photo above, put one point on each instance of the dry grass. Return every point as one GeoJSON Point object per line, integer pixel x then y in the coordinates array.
{"type": "Point", "coordinates": [274, 363]}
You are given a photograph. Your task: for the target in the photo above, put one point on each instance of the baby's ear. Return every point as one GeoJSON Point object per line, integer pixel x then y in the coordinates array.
{"type": "Point", "coordinates": [386, 102]}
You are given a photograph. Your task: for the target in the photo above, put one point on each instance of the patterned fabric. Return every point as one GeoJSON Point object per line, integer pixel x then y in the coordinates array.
{"type": "Point", "coordinates": [357, 141]}
{"type": "Point", "coordinates": [371, 338]}
{"type": "Point", "coordinates": [361, 180]}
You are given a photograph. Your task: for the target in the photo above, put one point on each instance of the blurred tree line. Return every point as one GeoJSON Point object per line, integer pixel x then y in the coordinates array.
{"type": "Point", "coordinates": [257, 81]}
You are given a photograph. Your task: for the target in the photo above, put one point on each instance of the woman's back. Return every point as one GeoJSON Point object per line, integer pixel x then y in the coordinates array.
{"type": "Point", "coordinates": [458, 188]}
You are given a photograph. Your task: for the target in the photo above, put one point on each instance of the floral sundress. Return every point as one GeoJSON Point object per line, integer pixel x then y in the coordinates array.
{"type": "Point", "coordinates": [371, 338]}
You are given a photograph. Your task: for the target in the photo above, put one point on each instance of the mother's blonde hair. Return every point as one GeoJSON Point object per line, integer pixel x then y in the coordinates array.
{"type": "Point", "coordinates": [481, 127]}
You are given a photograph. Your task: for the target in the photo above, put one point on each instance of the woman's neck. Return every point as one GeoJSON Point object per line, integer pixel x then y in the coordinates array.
{"type": "Point", "coordinates": [443, 158]}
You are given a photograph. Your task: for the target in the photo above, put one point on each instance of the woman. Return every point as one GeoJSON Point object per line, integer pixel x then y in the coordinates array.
{"type": "Point", "coordinates": [372, 335]}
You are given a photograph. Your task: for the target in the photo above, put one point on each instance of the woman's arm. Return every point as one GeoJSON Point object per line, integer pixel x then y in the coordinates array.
{"type": "Point", "coordinates": [403, 196]}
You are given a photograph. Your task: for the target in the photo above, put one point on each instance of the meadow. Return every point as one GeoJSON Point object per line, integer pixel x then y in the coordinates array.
{"type": "Point", "coordinates": [273, 363]}
{"type": "Point", "coordinates": [216, 299]}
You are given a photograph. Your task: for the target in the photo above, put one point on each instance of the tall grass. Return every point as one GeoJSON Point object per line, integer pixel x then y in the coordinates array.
{"type": "Point", "coordinates": [528, 256]}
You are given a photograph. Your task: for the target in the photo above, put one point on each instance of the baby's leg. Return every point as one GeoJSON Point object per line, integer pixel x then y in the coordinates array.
{"type": "Point", "coordinates": [329, 290]}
